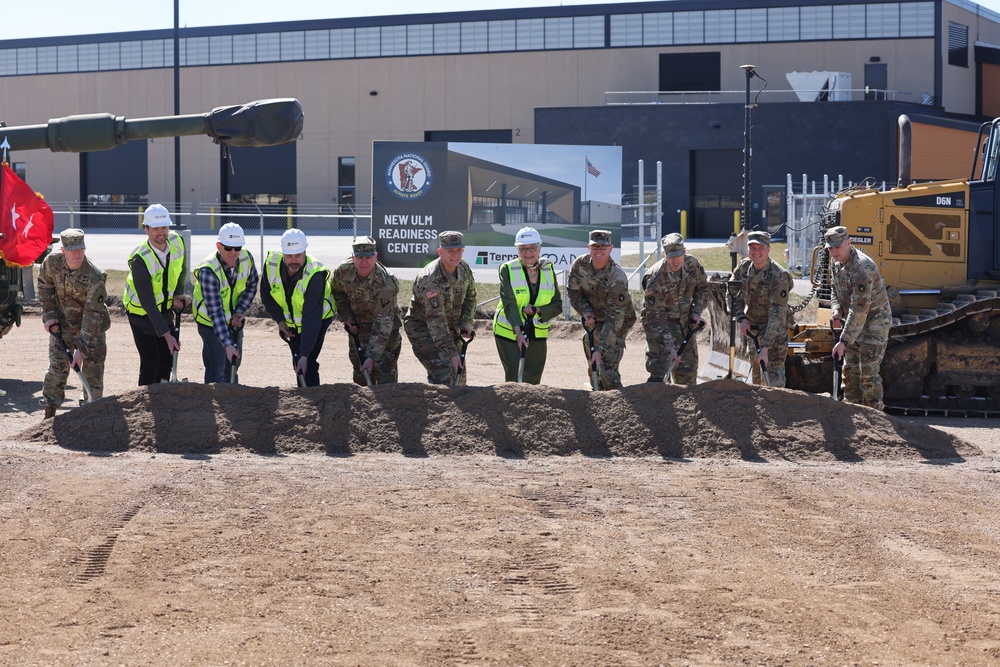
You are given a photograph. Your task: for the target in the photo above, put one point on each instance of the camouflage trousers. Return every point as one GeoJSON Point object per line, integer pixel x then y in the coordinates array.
{"type": "Point", "coordinates": [862, 382]}
{"type": "Point", "coordinates": [776, 355]}
{"type": "Point", "coordinates": [437, 364]}
{"type": "Point", "coordinates": [685, 371]}
{"type": "Point", "coordinates": [54, 389]}
{"type": "Point", "coordinates": [385, 369]}
{"type": "Point", "coordinates": [608, 376]}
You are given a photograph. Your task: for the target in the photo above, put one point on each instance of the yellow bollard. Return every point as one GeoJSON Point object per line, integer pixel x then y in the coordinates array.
{"type": "Point", "coordinates": [140, 217]}
{"type": "Point", "coordinates": [211, 218]}
{"type": "Point", "coordinates": [736, 222]}
{"type": "Point", "coordinates": [684, 224]}
{"type": "Point", "coordinates": [289, 217]}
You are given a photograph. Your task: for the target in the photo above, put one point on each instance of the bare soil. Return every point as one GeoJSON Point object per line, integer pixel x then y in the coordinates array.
{"type": "Point", "coordinates": [185, 524]}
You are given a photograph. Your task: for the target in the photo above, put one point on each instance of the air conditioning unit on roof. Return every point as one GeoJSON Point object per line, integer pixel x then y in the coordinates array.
{"type": "Point", "coordinates": [821, 86]}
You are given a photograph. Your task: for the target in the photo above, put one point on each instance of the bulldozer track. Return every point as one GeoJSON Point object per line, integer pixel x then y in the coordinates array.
{"type": "Point", "coordinates": [945, 313]}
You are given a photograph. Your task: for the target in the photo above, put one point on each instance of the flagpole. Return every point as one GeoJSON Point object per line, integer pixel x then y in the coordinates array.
{"type": "Point", "coordinates": [585, 160]}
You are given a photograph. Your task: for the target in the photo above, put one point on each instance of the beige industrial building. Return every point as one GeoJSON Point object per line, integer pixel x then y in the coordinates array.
{"type": "Point", "coordinates": [493, 76]}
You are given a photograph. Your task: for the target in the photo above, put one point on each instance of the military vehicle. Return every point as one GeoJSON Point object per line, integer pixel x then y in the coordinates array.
{"type": "Point", "coordinates": [937, 246]}
{"type": "Point", "coordinates": [261, 123]}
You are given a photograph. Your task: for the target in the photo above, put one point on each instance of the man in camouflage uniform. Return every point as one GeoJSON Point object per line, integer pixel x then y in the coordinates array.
{"type": "Point", "coordinates": [674, 295]}
{"type": "Point", "coordinates": [73, 295]}
{"type": "Point", "coordinates": [762, 307]}
{"type": "Point", "coordinates": [861, 305]}
{"type": "Point", "coordinates": [598, 290]}
{"type": "Point", "coordinates": [366, 297]}
{"type": "Point", "coordinates": [441, 311]}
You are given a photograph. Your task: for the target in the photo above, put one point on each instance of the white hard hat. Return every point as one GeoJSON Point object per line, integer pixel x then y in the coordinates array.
{"type": "Point", "coordinates": [293, 242]}
{"type": "Point", "coordinates": [527, 236]}
{"type": "Point", "coordinates": [156, 216]}
{"type": "Point", "coordinates": [231, 234]}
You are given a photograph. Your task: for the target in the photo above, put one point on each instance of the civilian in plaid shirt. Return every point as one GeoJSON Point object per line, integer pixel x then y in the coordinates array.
{"type": "Point", "coordinates": [225, 285]}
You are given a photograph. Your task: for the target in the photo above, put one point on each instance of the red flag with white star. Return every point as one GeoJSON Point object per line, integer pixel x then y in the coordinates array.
{"type": "Point", "coordinates": [26, 221]}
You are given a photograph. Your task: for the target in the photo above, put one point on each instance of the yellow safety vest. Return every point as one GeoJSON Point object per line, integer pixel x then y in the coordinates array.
{"type": "Point", "coordinates": [293, 311]}
{"type": "Point", "coordinates": [172, 271]}
{"type": "Point", "coordinates": [230, 295]}
{"type": "Point", "coordinates": [522, 293]}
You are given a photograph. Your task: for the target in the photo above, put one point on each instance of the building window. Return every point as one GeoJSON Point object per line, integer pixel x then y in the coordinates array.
{"type": "Point", "coordinates": [530, 34]}
{"type": "Point", "coordinates": [883, 20]}
{"type": "Point", "coordinates": [917, 20]}
{"type": "Point", "coordinates": [751, 25]}
{"type": "Point", "coordinates": [268, 47]}
{"type": "Point", "coordinates": [67, 58]}
{"type": "Point", "coordinates": [220, 50]}
{"type": "Point", "coordinates": [474, 36]}
{"type": "Point", "coordinates": [690, 71]}
{"type": "Point", "coordinates": [958, 44]}
{"type": "Point", "coordinates": [657, 29]}
{"type": "Point", "coordinates": [342, 43]}
{"type": "Point", "coordinates": [293, 45]}
{"type": "Point", "coordinates": [782, 24]}
{"type": "Point", "coordinates": [317, 44]}
{"type": "Point", "coordinates": [689, 27]}
{"type": "Point", "coordinates": [48, 59]}
{"type": "Point", "coordinates": [367, 42]}
{"type": "Point", "coordinates": [346, 184]}
{"type": "Point", "coordinates": [131, 55]}
{"type": "Point", "coordinates": [502, 36]}
{"type": "Point", "coordinates": [420, 39]}
{"type": "Point", "coordinates": [849, 22]}
{"type": "Point", "coordinates": [393, 40]}
{"type": "Point", "coordinates": [152, 53]}
{"type": "Point", "coordinates": [27, 61]}
{"type": "Point", "coordinates": [244, 48]}
{"type": "Point", "coordinates": [720, 26]}
{"type": "Point", "coordinates": [559, 33]}
{"type": "Point", "coordinates": [815, 23]}
{"type": "Point", "coordinates": [448, 38]}
{"type": "Point", "coordinates": [588, 32]}
{"type": "Point", "coordinates": [626, 30]}
{"type": "Point", "coordinates": [195, 51]}
{"type": "Point", "coordinates": [88, 58]}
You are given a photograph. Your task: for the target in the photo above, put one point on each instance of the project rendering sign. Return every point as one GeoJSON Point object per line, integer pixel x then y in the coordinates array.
{"type": "Point", "coordinates": [488, 192]}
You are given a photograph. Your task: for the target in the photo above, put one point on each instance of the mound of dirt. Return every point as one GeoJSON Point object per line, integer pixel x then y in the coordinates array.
{"type": "Point", "coordinates": [721, 419]}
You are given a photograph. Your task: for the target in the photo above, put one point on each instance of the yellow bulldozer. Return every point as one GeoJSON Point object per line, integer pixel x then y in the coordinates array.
{"type": "Point", "coordinates": [937, 246]}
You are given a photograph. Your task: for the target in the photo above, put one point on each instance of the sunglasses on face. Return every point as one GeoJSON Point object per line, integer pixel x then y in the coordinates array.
{"type": "Point", "coordinates": [232, 248]}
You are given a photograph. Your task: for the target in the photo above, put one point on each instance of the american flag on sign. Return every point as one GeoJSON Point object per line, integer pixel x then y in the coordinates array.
{"type": "Point", "coordinates": [591, 169]}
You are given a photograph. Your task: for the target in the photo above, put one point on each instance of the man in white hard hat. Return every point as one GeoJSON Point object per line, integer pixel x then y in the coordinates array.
{"type": "Point", "coordinates": [224, 286]}
{"type": "Point", "coordinates": [296, 294]}
{"type": "Point", "coordinates": [156, 283]}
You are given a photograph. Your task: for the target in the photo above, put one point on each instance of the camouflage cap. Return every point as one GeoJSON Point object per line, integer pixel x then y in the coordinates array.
{"type": "Point", "coordinates": [72, 239]}
{"type": "Point", "coordinates": [600, 237]}
{"type": "Point", "coordinates": [760, 238]}
{"type": "Point", "coordinates": [451, 240]}
{"type": "Point", "coordinates": [363, 246]}
{"type": "Point", "coordinates": [834, 238]}
{"type": "Point", "coordinates": [673, 245]}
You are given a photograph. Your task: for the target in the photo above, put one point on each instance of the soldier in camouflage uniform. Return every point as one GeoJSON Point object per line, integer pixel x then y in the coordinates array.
{"type": "Point", "coordinates": [598, 290]}
{"type": "Point", "coordinates": [861, 304]}
{"type": "Point", "coordinates": [441, 311]}
{"type": "Point", "coordinates": [366, 297]}
{"type": "Point", "coordinates": [762, 307]}
{"type": "Point", "coordinates": [73, 295]}
{"type": "Point", "coordinates": [675, 293]}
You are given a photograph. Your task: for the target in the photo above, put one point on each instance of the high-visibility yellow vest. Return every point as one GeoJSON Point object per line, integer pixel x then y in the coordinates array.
{"type": "Point", "coordinates": [522, 293]}
{"type": "Point", "coordinates": [293, 311]}
{"type": "Point", "coordinates": [167, 281]}
{"type": "Point", "coordinates": [230, 294]}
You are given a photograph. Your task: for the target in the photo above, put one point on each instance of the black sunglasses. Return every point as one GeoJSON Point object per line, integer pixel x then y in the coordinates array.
{"type": "Point", "coordinates": [232, 248]}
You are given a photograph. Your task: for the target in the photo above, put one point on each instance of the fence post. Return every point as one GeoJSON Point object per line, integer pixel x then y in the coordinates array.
{"type": "Point", "coordinates": [684, 223]}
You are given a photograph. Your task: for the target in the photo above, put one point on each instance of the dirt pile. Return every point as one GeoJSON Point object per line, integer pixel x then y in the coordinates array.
{"type": "Point", "coordinates": [722, 419]}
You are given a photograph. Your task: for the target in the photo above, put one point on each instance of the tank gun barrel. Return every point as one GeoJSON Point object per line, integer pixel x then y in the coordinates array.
{"type": "Point", "coordinates": [261, 123]}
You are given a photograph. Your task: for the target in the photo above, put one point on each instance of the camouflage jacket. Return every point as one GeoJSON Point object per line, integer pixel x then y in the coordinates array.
{"type": "Point", "coordinates": [370, 303]}
{"type": "Point", "coordinates": [859, 295]}
{"type": "Point", "coordinates": [673, 296]}
{"type": "Point", "coordinates": [763, 299]}
{"type": "Point", "coordinates": [603, 292]}
{"type": "Point", "coordinates": [77, 299]}
{"type": "Point", "coordinates": [443, 304]}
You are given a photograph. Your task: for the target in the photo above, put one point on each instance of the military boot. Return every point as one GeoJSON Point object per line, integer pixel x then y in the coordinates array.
{"type": "Point", "coordinates": [50, 411]}
{"type": "Point", "coordinates": [655, 378]}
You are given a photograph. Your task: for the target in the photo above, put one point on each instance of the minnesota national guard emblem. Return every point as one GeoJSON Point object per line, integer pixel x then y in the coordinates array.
{"type": "Point", "coordinates": [408, 176]}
